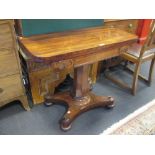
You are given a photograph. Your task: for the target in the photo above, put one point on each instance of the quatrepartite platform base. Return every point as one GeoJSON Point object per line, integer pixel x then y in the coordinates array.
{"type": "Point", "coordinates": [76, 106]}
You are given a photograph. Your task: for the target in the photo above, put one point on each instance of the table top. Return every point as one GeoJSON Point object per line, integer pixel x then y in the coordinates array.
{"type": "Point", "coordinates": [57, 46]}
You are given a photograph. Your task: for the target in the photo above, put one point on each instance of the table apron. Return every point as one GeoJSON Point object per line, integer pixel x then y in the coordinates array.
{"type": "Point", "coordinates": [95, 57]}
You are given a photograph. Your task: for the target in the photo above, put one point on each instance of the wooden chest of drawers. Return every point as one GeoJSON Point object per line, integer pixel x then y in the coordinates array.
{"type": "Point", "coordinates": [11, 85]}
{"type": "Point", "coordinates": [129, 25]}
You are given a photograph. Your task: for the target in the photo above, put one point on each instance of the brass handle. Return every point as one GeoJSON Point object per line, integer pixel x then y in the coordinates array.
{"type": "Point", "coordinates": [130, 25]}
{"type": "Point", "coordinates": [1, 90]}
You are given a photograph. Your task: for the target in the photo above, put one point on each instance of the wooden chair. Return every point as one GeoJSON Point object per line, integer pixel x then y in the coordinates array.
{"type": "Point", "coordinates": [138, 54]}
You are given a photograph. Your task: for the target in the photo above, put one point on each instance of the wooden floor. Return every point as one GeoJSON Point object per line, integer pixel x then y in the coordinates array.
{"type": "Point", "coordinates": [43, 120]}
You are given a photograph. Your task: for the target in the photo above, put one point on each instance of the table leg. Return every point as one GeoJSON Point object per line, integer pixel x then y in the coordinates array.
{"type": "Point", "coordinates": [79, 100]}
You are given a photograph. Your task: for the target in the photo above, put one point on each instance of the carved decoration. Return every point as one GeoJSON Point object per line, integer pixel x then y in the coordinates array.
{"type": "Point", "coordinates": [43, 81]}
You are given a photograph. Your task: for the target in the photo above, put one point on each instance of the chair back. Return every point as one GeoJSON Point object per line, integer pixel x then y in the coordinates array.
{"type": "Point", "coordinates": [150, 41]}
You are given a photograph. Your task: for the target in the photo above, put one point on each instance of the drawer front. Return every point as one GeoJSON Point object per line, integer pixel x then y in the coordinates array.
{"type": "Point", "coordinates": [10, 87]}
{"type": "Point", "coordinates": [8, 63]}
{"type": "Point", "coordinates": [6, 38]}
{"type": "Point", "coordinates": [127, 25]}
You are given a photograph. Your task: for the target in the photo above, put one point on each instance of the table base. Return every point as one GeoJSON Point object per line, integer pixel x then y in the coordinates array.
{"type": "Point", "coordinates": [76, 106]}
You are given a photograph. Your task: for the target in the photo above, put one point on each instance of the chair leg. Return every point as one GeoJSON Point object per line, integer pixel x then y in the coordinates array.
{"type": "Point", "coordinates": [151, 71]}
{"type": "Point", "coordinates": [125, 64]}
{"type": "Point", "coordinates": [135, 78]}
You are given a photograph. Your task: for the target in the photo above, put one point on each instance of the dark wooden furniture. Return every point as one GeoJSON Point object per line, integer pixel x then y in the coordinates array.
{"type": "Point", "coordinates": [39, 77]}
{"type": "Point", "coordinates": [11, 84]}
{"type": "Point", "coordinates": [129, 25]}
{"type": "Point", "coordinates": [139, 54]}
{"type": "Point", "coordinates": [79, 48]}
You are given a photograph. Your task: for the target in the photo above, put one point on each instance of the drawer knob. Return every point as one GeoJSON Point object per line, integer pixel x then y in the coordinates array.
{"type": "Point", "coordinates": [130, 25]}
{"type": "Point", "coordinates": [1, 90]}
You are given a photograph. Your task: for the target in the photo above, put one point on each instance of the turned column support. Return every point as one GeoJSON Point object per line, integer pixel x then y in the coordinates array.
{"type": "Point", "coordinates": [81, 84]}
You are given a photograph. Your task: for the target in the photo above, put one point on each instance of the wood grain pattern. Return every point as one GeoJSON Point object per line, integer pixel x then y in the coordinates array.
{"type": "Point", "coordinates": [41, 78]}
{"type": "Point", "coordinates": [75, 107]}
{"type": "Point", "coordinates": [6, 40]}
{"type": "Point", "coordinates": [73, 44]}
{"type": "Point", "coordinates": [11, 86]}
{"type": "Point", "coordinates": [139, 54]}
{"type": "Point", "coordinates": [44, 81]}
{"type": "Point", "coordinates": [83, 48]}
{"type": "Point", "coordinates": [29, 65]}
{"type": "Point", "coordinates": [8, 67]}
{"type": "Point", "coordinates": [129, 25]}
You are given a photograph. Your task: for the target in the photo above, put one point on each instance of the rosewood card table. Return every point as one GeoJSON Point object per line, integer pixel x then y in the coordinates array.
{"type": "Point", "coordinates": [80, 48]}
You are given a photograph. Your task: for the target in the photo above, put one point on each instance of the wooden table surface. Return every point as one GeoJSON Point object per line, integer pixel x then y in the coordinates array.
{"type": "Point", "coordinates": [65, 45]}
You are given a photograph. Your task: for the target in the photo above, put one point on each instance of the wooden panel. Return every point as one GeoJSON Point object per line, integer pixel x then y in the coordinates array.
{"type": "Point", "coordinates": [6, 39]}
{"type": "Point", "coordinates": [127, 25]}
{"type": "Point", "coordinates": [45, 80]}
{"type": "Point", "coordinates": [10, 87]}
{"type": "Point", "coordinates": [99, 56]}
{"type": "Point", "coordinates": [41, 78]}
{"type": "Point", "coordinates": [112, 20]}
{"type": "Point", "coordinates": [8, 63]}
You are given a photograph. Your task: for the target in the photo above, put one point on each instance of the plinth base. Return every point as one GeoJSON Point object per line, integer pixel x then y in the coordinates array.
{"type": "Point", "coordinates": [76, 106]}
